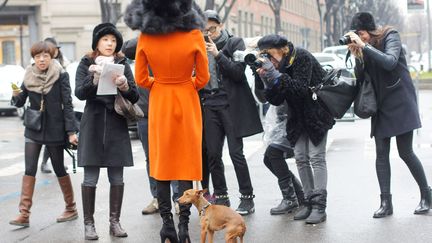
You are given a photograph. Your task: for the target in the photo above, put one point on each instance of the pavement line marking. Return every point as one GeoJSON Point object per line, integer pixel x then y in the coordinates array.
{"type": "Point", "coordinates": [40, 183]}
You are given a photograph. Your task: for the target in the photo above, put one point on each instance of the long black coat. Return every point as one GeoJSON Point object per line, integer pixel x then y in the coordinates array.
{"type": "Point", "coordinates": [396, 97]}
{"type": "Point", "coordinates": [58, 118]}
{"type": "Point", "coordinates": [242, 106]}
{"type": "Point", "coordinates": [104, 138]}
{"type": "Point", "coordinates": [307, 115]}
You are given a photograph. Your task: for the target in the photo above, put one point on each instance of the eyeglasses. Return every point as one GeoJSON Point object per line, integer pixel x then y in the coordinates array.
{"type": "Point", "coordinates": [211, 29]}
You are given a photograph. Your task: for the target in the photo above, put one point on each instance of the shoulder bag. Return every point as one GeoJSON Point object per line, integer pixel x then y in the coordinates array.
{"type": "Point", "coordinates": [33, 118]}
{"type": "Point", "coordinates": [365, 103]}
{"type": "Point", "coordinates": [125, 108]}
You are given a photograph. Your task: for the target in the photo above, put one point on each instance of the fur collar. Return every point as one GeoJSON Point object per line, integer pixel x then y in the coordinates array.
{"type": "Point", "coordinates": [164, 16]}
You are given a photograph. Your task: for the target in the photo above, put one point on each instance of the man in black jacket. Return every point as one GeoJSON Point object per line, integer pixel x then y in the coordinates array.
{"type": "Point", "coordinates": [229, 111]}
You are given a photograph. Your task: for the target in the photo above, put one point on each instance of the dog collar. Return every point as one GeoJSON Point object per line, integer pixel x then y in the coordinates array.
{"type": "Point", "coordinates": [202, 212]}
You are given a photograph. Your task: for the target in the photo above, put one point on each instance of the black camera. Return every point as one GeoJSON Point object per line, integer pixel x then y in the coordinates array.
{"type": "Point", "coordinates": [345, 40]}
{"type": "Point", "coordinates": [251, 60]}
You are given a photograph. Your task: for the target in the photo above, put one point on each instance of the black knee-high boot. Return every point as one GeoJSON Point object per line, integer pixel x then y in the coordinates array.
{"type": "Point", "coordinates": [183, 232]}
{"type": "Point", "coordinates": [168, 231]}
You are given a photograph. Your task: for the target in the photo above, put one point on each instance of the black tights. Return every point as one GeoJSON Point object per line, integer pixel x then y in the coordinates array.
{"type": "Point", "coordinates": [404, 146]}
{"type": "Point", "coordinates": [32, 152]}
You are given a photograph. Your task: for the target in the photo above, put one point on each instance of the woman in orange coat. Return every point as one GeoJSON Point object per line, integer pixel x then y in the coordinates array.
{"type": "Point", "coordinates": [174, 48]}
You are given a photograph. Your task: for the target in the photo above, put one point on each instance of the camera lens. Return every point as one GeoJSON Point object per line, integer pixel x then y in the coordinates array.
{"type": "Point", "coordinates": [250, 59]}
{"type": "Point", "coordinates": [344, 40]}
{"type": "Point", "coordinates": [258, 63]}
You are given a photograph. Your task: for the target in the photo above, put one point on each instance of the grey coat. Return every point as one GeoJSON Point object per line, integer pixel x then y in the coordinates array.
{"type": "Point", "coordinates": [396, 96]}
{"type": "Point", "coordinates": [104, 137]}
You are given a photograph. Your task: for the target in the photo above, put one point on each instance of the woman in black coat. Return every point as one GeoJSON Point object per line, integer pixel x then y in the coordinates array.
{"type": "Point", "coordinates": [47, 87]}
{"type": "Point", "coordinates": [379, 53]}
{"type": "Point", "coordinates": [104, 134]}
{"type": "Point", "coordinates": [287, 73]}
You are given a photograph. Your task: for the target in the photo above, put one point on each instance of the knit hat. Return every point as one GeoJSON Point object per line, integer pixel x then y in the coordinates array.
{"type": "Point", "coordinates": [272, 41]}
{"type": "Point", "coordinates": [363, 21]}
{"type": "Point", "coordinates": [104, 29]}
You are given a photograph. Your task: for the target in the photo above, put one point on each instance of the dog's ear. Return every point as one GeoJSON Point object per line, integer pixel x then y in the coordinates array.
{"type": "Point", "coordinates": [199, 192]}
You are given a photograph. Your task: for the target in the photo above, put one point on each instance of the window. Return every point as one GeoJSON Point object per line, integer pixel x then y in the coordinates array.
{"type": "Point", "coordinates": [68, 49]}
{"type": "Point", "coordinates": [251, 25]}
{"type": "Point", "coordinates": [8, 49]}
{"type": "Point", "coordinates": [239, 23]}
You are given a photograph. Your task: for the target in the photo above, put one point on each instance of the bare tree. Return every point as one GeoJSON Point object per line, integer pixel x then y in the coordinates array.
{"type": "Point", "coordinates": [275, 6]}
{"type": "Point", "coordinates": [111, 11]}
{"type": "Point", "coordinates": [226, 6]}
{"type": "Point", "coordinates": [3, 4]}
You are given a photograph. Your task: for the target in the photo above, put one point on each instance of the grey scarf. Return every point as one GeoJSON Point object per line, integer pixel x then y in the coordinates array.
{"type": "Point", "coordinates": [220, 42]}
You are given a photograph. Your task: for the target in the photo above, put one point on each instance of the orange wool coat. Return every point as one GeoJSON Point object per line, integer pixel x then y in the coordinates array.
{"type": "Point", "coordinates": [175, 121]}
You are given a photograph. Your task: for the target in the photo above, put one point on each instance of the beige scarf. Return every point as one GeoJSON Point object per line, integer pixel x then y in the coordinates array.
{"type": "Point", "coordinates": [39, 81]}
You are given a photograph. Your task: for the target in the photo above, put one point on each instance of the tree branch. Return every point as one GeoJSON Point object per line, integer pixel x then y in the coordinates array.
{"type": "Point", "coordinates": [3, 4]}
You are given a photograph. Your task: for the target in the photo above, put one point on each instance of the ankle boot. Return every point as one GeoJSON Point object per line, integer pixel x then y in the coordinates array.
{"type": "Point", "coordinates": [168, 231]}
{"type": "Point", "coordinates": [26, 201]}
{"type": "Point", "coordinates": [318, 201]}
{"type": "Point", "coordinates": [70, 212]}
{"type": "Point", "coordinates": [289, 201]}
{"type": "Point", "coordinates": [116, 198]}
{"type": "Point", "coordinates": [305, 207]}
{"type": "Point", "coordinates": [88, 199]}
{"type": "Point", "coordinates": [425, 201]}
{"type": "Point", "coordinates": [386, 206]}
{"type": "Point", "coordinates": [183, 230]}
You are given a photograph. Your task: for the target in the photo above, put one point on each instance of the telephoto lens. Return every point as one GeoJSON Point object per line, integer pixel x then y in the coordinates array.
{"type": "Point", "coordinates": [345, 40]}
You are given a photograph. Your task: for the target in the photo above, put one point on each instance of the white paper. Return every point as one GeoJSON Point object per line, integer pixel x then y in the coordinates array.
{"type": "Point", "coordinates": [106, 85]}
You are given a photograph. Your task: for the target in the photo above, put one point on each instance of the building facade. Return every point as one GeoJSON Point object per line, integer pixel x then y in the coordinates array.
{"type": "Point", "coordinates": [23, 22]}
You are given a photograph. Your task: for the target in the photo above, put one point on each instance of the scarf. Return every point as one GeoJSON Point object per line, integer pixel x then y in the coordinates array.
{"type": "Point", "coordinates": [39, 81]}
{"type": "Point", "coordinates": [220, 42]}
{"type": "Point", "coordinates": [222, 39]}
{"type": "Point", "coordinates": [101, 60]}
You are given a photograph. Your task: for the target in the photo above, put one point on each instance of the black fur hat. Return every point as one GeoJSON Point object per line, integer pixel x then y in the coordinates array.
{"type": "Point", "coordinates": [164, 16]}
{"type": "Point", "coordinates": [104, 29]}
{"type": "Point", "coordinates": [272, 41]}
{"type": "Point", "coordinates": [363, 21]}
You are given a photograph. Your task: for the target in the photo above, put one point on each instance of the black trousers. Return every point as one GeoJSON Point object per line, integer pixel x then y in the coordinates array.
{"type": "Point", "coordinates": [274, 160]}
{"type": "Point", "coordinates": [217, 126]}
{"type": "Point", "coordinates": [406, 153]}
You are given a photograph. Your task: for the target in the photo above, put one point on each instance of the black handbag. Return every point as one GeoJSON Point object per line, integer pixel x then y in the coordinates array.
{"type": "Point", "coordinates": [125, 108]}
{"type": "Point", "coordinates": [33, 118]}
{"type": "Point", "coordinates": [336, 92]}
{"type": "Point", "coordinates": [365, 103]}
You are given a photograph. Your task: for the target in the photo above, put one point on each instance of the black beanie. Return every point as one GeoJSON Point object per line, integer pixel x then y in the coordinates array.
{"type": "Point", "coordinates": [363, 21]}
{"type": "Point", "coordinates": [272, 41]}
{"type": "Point", "coordinates": [104, 29]}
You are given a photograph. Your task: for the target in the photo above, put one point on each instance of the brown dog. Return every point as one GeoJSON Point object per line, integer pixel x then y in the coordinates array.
{"type": "Point", "coordinates": [215, 217]}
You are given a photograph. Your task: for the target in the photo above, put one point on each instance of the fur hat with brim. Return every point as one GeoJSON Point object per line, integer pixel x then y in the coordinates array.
{"type": "Point", "coordinates": [272, 41]}
{"type": "Point", "coordinates": [163, 16]}
{"type": "Point", "coordinates": [104, 29]}
{"type": "Point", "coordinates": [363, 21]}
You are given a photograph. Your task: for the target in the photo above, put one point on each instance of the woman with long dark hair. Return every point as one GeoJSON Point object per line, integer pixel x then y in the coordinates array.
{"type": "Point", "coordinates": [175, 123]}
{"type": "Point", "coordinates": [378, 52]}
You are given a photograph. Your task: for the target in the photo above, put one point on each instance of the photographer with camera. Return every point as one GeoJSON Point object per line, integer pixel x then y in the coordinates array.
{"type": "Point", "coordinates": [379, 55]}
{"type": "Point", "coordinates": [229, 110]}
{"type": "Point", "coordinates": [286, 75]}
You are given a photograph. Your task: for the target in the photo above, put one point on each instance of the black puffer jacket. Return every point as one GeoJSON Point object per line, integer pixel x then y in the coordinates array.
{"type": "Point", "coordinates": [104, 138]}
{"type": "Point", "coordinates": [58, 118]}
{"type": "Point", "coordinates": [307, 115]}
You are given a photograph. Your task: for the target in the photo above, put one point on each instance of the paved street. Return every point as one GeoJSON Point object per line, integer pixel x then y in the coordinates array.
{"type": "Point", "coordinates": [352, 187]}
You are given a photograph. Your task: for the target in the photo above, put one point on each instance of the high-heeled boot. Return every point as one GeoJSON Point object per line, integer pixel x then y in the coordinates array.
{"type": "Point", "coordinates": [70, 212]}
{"type": "Point", "coordinates": [386, 207]}
{"type": "Point", "coordinates": [116, 198]}
{"type": "Point", "coordinates": [168, 231]}
{"type": "Point", "coordinates": [26, 201]}
{"type": "Point", "coordinates": [183, 230]}
{"type": "Point", "coordinates": [425, 201]}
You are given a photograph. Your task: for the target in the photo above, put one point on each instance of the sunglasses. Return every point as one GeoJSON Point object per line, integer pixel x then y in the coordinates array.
{"type": "Point", "coordinates": [211, 29]}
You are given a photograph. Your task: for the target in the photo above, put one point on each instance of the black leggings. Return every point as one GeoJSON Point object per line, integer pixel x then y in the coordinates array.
{"type": "Point", "coordinates": [275, 162]}
{"type": "Point", "coordinates": [404, 146]}
{"type": "Point", "coordinates": [32, 151]}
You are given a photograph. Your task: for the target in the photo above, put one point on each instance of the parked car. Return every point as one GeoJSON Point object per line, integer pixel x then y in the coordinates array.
{"type": "Point", "coordinates": [9, 74]}
{"type": "Point", "coordinates": [334, 61]}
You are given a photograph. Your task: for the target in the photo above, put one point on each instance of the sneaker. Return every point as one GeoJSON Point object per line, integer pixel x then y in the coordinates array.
{"type": "Point", "coordinates": [177, 208]}
{"type": "Point", "coordinates": [246, 205]}
{"type": "Point", "coordinates": [209, 197]}
{"type": "Point", "coordinates": [222, 200]}
{"type": "Point", "coordinates": [152, 208]}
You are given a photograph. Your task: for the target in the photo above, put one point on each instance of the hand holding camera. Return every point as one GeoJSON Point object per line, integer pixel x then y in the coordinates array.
{"type": "Point", "coordinates": [268, 72]}
{"type": "Point", "coordinates": [121, 83]}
